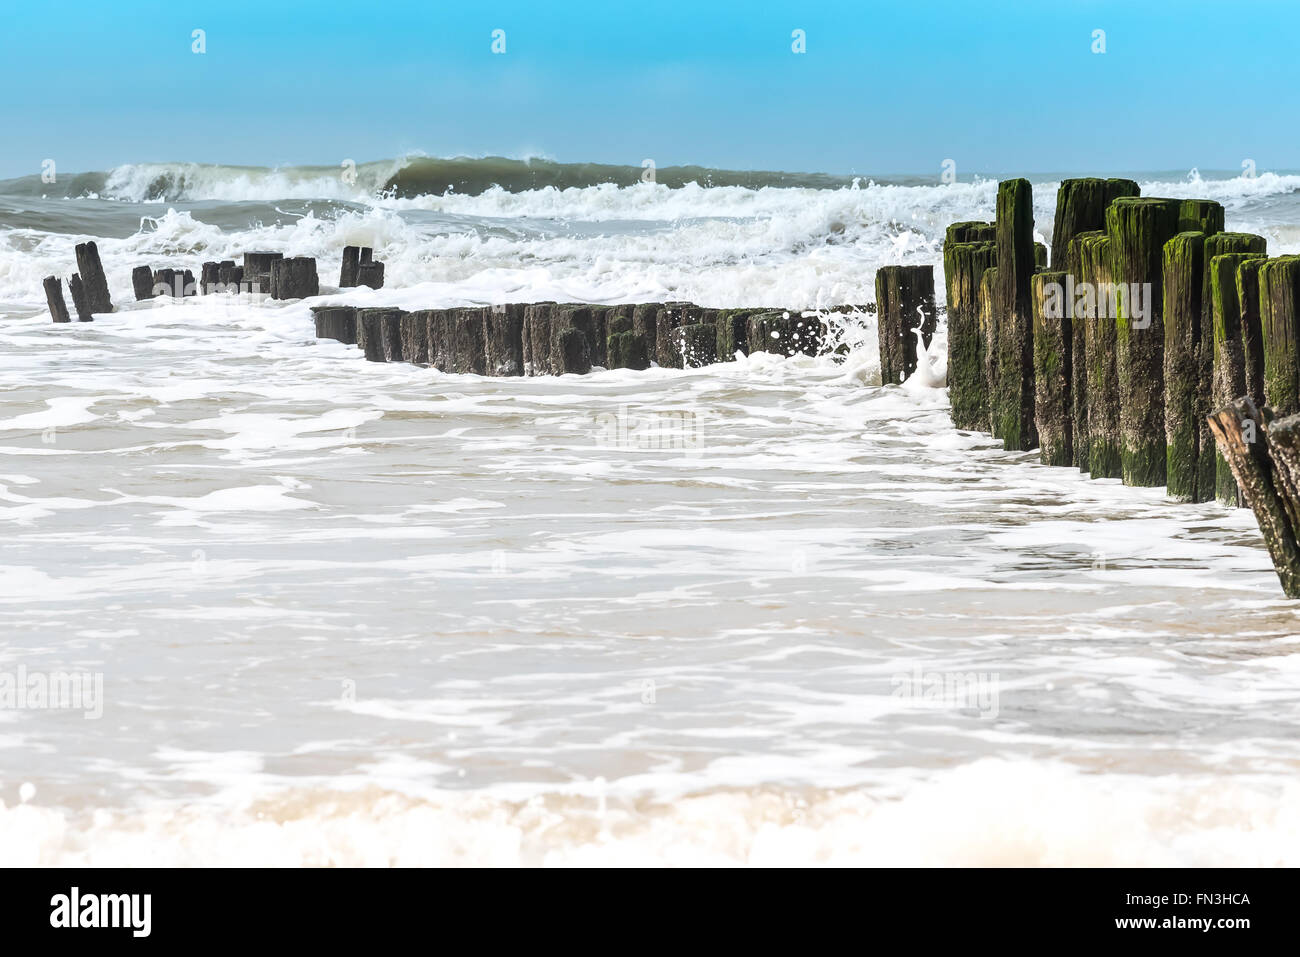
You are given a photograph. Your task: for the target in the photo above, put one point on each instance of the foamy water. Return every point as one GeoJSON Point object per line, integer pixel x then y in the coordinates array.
{"type": "Point", "coordinates": [365, 614]}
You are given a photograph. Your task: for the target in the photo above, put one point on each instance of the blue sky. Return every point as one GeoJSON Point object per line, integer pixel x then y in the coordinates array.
{"type": "Point", "coordinates": [883, 87]}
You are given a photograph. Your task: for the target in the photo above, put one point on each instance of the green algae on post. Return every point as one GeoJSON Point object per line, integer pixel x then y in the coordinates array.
{"type": "Point", "coordinates": [1279, 295]}
{"type": "Point", "coordinates": [964, 266]}
{"type": "Point", "coordinates": [1186, 391]}
{"type": "Point", "coordinates": [1138, 229]}
{"type": "Point", "coordinates": [1098, 320]}
{"type": "Point", "coordinates": [1011, 407]}
{"type": "Point", "coordinates": [1081, 208]}
{"type": "Point", "coordinates": [1228, 377]}
{"type": "Point", "coordinates": [905, 310]}
{"type": "Point", "coordinates": [1053, 343]}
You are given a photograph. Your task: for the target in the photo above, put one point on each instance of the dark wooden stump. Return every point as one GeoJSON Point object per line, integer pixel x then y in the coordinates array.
{"type": "Point", "coordinates": [643, 324]}
{"type": "Point", "coordinates": [294, 278]}
{"type": "Point", "coordinates": [537, 338]}
{"type": "Point", "coordinates": [1081, 208]}
{"type": "Point", "coordinates": [336, 322]}
{"type": "Point", "coordinates": [142, 283]}
{"type": "Point", "coordinates": [348, 272]}
{"type": "Point", "coordinates": [413, 328]}
{"type": "Point", "coordinates": [93, 280]}
{"type": "Point", "coordinates": [698, 344]}
{"type": "Point", "coordinates": [370, 274]}
{"type": "Point", "coordinates": [54, 299]}
{"type": "Point", "coordinates": [80, 301]}
{"type": "Point", "coordinates": [1200, 216]}
{"type": "Point", "coordinates": [988, 307]}
{"type": "Point", "coordinates": [733, 333]}
{"type": "Point", "coordinates": [208, 278]}
{"type": "Point", "coordinates": [1189, 466]}
{"type": "Point", "coordinates": [379, 334]}
{"type": "Point", "coordinates": [905, 308]}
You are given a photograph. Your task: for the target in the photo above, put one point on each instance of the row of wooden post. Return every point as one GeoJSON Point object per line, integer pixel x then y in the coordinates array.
{"type": "Point", "coordinates": [551, 338]}
{"type": "Point", "coordinates": [1115, 359]}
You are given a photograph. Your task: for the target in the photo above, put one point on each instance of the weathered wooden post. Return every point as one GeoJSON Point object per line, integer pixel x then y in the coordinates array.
{"type": "Point", "coordinates": [1262, 459]}
{"type": "Point", "coordinates": [379, 334]}
{"type": "Point", "coordinates": [733, 333]}
{"type": "Point", "coordinates": [905, 310]}
{"type": "Point", "coordinates": [626, 349]}
{"type": "Point", "coordinates": [336, 322]}
{"type": "Point", "coordinates": [698, 344]}
{"type": "Point", "coordinates": [963, 266]}
{"type": "Point", "coordinates": [1229, 374]}
{"type": "Point", "coordinates": [1279, 296]}
{"type": "Point", "coordinates": [208, 278]}
{"type": "Point", "coordinates": [1081, 208]}
{"type": "Point", "coordinates": [230, 276]}
{"type": "Point", "coordinates": [1188, 466]}
{"type": "Point", "coordinates": [1252, 332]}
{"type": "Point", "coordinates": [988, 310]}
{"type": "Point", "coordinates": [1138, 229]}
{"type": "Point", "coordinates": [371, 274]}
{"type": "Point", "coordinates": [1200, 215]}
{"type": "Point", "coordinates": [537, 338]}
{"type": "Point", "coordinates": [348, 272]}
{"type": "Point", "coordinates": [80, 299]}
{"type": "Point", "coordinates": [503, 327]}
{"type": "Point", "coordinates": [1099, 308]}
{"type": "Point", "coordinates": [1011, 406]}
{"type": "Point", "coordinates": [668, 345]}
{"type": "Point", "coordinates": [93, 279]}
{"type": "Point", "coordinates": [54, 299]}
{"type": "Point", "coordinates": [1053, 370]}
{"type": "Point", "coordinates": [413, 329]}
{"type": "Point", "coordinates": [257, 270]}
{"type": "Point", "coordinates": [294, 278]}
{"type": "Point", "coordinates": [142, 283]}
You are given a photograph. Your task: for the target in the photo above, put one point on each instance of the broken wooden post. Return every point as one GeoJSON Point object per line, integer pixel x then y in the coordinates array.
{"type": "Point", "coordinates": [667, 345]}
{"type": "Point", "coordinates": [905, 310]}
{"type": "Point", "coordinates": [1228, 378]}
{"type": "Point", "coordinates": [1011, 406]}
{"type": "Point", "coordinates": [1138, 229]}
{"type": "Point", "coordinates": [698, 344]}
{"type": "Point", "coordinates": [503, 327]}
{"type": "Point", "coordinates": [970, 231]}
{"type": "Point", "coordinates": [294, 278]}
{"type": "Point", "coordinates": [348, 272]}
{"type": "Point", "coordinates": [1189, 467]}
{"type": "Point", "coordinates": [80, 300]}
{"type": "Point", "coordinates": [1081, 208]}
{"type": "Point", "coordinates": [1279, 296]}
{"type": "Point", "coordinates": [142, 283]}
{"type": "Point", "coordinates": [371, 274]}
{"type": "Point", "coordinates": [963, 267]}
{"type": "Point", "coordinates": [626, 349]}
{"type": "Point", "coordinates": [537, 338]}
{"type": "Point", "coordinates": [208, 278]}
{"type": "Point", "coordinates": [54, 299]}
{"type": "Point", "coordinates": [570, 353]}
{"type": "Point", "coordinates": [93, 280]}
{"type": "Point", "coordinates": [733, 333]}
{"type": "Point", "coordinates": [1252, 450]}
{"type": "Point", "coordinates": [1053, 342]}
{"type": "Point", "coordinates": [379, 334]}
{"type": "Point", "coordinates": [229, 275]}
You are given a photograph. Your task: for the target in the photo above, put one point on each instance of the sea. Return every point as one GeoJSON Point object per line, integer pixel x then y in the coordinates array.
{"type": "Point", "coordinates": [263, 602]}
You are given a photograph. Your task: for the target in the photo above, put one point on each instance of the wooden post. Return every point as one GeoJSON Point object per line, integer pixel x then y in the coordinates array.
{"type": "Point", "coordinates": [54, 299]}
{"type": "Point", "coordinates": [1249, 445]}
{"type": "Point", "coordinates": [1188, 467]}
{"type": "Point", "coordinates": [667, 345]}
{"type": "Point", "coordinates": [348, 272]}
{"type": "Point", "coordinates": [1081, 208]}
{"type": "Point", "coordinates": [336, 322]}
{"type": "Point", "coordinates": [644, 325]}
{"type": "Point", "coordinates": [93, 279]}
{"type": "Point", "coordinates": [208, 278]}
{"type": "Point", "coordinates": [80, 300]}
{"type": "Point", "coordinates": [1228, 381]}
{"type": "Point", "coordinates": [1053, 372]}
{"type": "Point", "coordinates": [905, 310]}
{"type": "Point", "coordinates": [1100, 307]}
{"type": "Point", "coordinates": [626, 349]}
{"type": "Point", "coordinates": [1279, 295]}
{"type": "Point", "coordinates": [371, 274]}
{"type": "Point", "coordinates": [567, 355]}
{"type": "Point", "coordinates": [1252, 332]}
{"type": "Point", "coordinates": [142, 283]}
{"type": "Point", "coordinates": [1012, 403]}
{"type": "Point", "coordinates": [970, 231]}
{"type": "Point", "coordinates": [413, 328]}
{"type": "Point", "coordinates": [379, 334]}
{"type": "Point", "coordinates": [503, 327]}
{"type": "Point", "coordinates": [1200, 216]}
{"type": "Point", "coordinates": [963, 266]}
{"type": "Point", "coordinates": [1138, 229]}
{"type": "Point", "coordinates": [229, 275]}
{"type": "Point", "coordinates": [733, 333]}
{"type": "Point", "coordinates": [1077, 300]}
{"type": "Point", "coordinates": [988, 309]}
{"type": "Point", "coordinates": [698, 344]}
{"type": "Point", "coordinates": [537, 338]}
{"type": "Point", "coordinates": [257, 270]}
{"type": "Point", "coordinates": [294, 278]}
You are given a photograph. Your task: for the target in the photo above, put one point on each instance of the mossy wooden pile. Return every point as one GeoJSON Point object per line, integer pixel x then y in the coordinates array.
{"type": "Point", "coordinates": [905, 314]}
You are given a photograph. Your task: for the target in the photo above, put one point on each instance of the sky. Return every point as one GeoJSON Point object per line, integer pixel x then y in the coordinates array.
{"type": "Point", "coordinates": [883, 88]}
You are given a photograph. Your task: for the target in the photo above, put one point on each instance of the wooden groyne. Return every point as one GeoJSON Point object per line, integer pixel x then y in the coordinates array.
{"type": "Point", "coordinates": [1157, 348]}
